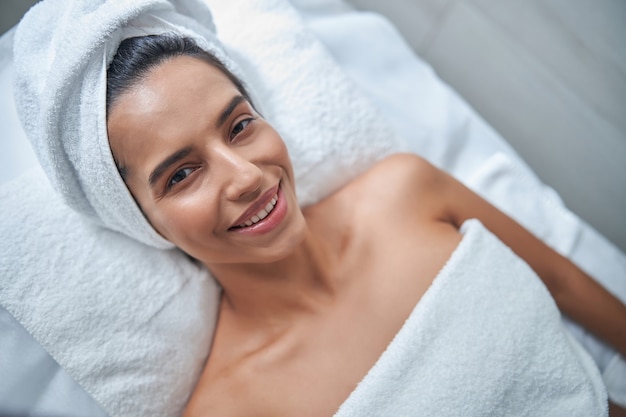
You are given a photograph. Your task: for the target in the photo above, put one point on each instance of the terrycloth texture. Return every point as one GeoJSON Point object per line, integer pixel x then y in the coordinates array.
{"type": "Point", "coordinates": [131, 324]}
{"type": "Point", "coordinates": [607, 264]}
{"type": "Point", "coordinates": [504, 182]}
{"type": "Point", "coordinates": [16, 154]}
{"type": "Point", "coordinates": [62, 49]}
{"type": "Point", "coordinates": [486, 339]}
{"type": "Point", "coordinates": [32, 383]}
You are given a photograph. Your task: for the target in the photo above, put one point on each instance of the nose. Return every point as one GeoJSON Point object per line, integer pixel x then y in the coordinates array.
{"type": "Point", "coordinates": [243, 178]}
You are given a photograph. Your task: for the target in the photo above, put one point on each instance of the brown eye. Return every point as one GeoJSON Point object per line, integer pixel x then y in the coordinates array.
{"type": "Point", "coordinates": [240, 127]}
{"type": "Point", "coordinates": [179, 176]}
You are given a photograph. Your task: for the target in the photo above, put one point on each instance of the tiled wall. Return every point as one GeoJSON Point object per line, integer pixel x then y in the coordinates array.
{"type": "Point", "coordinates": [549, 75]}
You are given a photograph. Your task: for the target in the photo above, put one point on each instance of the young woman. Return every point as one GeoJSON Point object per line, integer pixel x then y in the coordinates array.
{"type": "Point", "coordinates": [214, 178]}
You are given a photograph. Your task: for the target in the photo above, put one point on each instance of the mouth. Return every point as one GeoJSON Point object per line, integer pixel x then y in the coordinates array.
{"type": "Point", "coordinates": [260, 215]}
{"type": "Point", "coordinates": [258, 211]}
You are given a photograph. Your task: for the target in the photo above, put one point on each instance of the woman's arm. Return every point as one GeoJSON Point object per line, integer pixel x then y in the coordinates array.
{"type": "Point", "coordinates": [576, 294]}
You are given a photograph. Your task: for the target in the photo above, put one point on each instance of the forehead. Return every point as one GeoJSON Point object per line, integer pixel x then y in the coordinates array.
{"type": "Point", "coordinates": [171, 85]}
{"type": "Point", "coordinates": [178, 99]}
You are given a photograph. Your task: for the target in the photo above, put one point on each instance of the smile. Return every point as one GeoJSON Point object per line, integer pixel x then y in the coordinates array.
{"type": "Point", "coordinates": [261, 214]}
{"type": "Point", "coordinates": [264, 216]}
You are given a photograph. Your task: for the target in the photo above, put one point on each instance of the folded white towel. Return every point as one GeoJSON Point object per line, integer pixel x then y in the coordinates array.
{"type": "Point", "coordinates": [485, 340]}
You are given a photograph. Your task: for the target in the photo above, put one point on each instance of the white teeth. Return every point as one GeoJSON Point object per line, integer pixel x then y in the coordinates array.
{"type": "Point", "coordinates": [262, 213]}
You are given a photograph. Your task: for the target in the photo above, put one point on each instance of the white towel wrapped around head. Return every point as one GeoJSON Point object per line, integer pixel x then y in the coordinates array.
{"type": "Point", "coordinates": [62, 50]}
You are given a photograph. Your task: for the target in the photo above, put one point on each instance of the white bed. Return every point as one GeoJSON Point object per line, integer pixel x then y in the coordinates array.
{"type": "Point", "coordinates": [437, 124]}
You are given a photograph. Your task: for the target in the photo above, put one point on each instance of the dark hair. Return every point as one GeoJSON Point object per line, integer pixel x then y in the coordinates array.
{"type": "Point", "coordinates": [135, 57]}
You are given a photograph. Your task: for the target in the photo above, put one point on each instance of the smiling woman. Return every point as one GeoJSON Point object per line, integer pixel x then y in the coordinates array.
{"type": "Point", "coordinates": [383, 298]}
{"type": "Point", "coordinates": [214, 178]}
{"type": "Point", "coordinates": [201, 163]}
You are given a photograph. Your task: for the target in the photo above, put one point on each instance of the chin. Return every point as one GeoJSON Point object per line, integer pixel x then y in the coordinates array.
{"type": "Point", "coordinates": [287, 244]}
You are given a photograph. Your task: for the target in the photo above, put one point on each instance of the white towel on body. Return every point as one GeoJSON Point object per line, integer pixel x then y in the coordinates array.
{"type": "Point", "coordinates": [486, 339]}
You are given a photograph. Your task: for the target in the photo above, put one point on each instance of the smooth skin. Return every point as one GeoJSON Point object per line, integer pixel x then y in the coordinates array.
{"type": "Point", "coordinates": [311, 297]}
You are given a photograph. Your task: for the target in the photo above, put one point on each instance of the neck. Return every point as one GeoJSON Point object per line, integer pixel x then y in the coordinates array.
{"type": "Point", "coordinates": [302, 282]}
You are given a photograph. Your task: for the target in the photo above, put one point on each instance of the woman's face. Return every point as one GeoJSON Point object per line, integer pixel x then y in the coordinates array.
{"type": "Point", "coordinates": [209, 173]}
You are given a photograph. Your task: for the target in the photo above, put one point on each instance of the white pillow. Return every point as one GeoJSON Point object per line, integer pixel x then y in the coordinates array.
{"type": "Point", "coordinates": [131, 324]}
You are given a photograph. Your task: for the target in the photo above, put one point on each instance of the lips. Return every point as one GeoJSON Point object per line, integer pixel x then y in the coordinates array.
{"type": "Point", "coordinates": [259, 210]}
{"type": "Point", "coordinates": [261, 214]}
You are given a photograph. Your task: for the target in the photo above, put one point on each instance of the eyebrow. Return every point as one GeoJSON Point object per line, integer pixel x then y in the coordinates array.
{"type": "Point", "coordinates": [167, 162]}
{"type": "Point", "coordinates": [229, 109]}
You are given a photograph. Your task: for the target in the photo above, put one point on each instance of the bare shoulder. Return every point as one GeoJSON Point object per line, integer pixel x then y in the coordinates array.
{"type": "Point", "coordinates": [401, 180]}
{"type": "Point", "coordinates": [399, 198]}
{"type": "Point", "coordinates": [405, 170]}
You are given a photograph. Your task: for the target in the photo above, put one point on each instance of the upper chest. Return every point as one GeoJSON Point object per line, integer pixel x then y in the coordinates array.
{"type": "Point", "coordinates": [312, 369]}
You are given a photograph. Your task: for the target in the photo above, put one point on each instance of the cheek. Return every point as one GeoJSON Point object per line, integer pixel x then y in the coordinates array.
{"type": "Point", "coordinates": [280, 152]}
{"type": "Point", "coordinates": [186, 219]}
